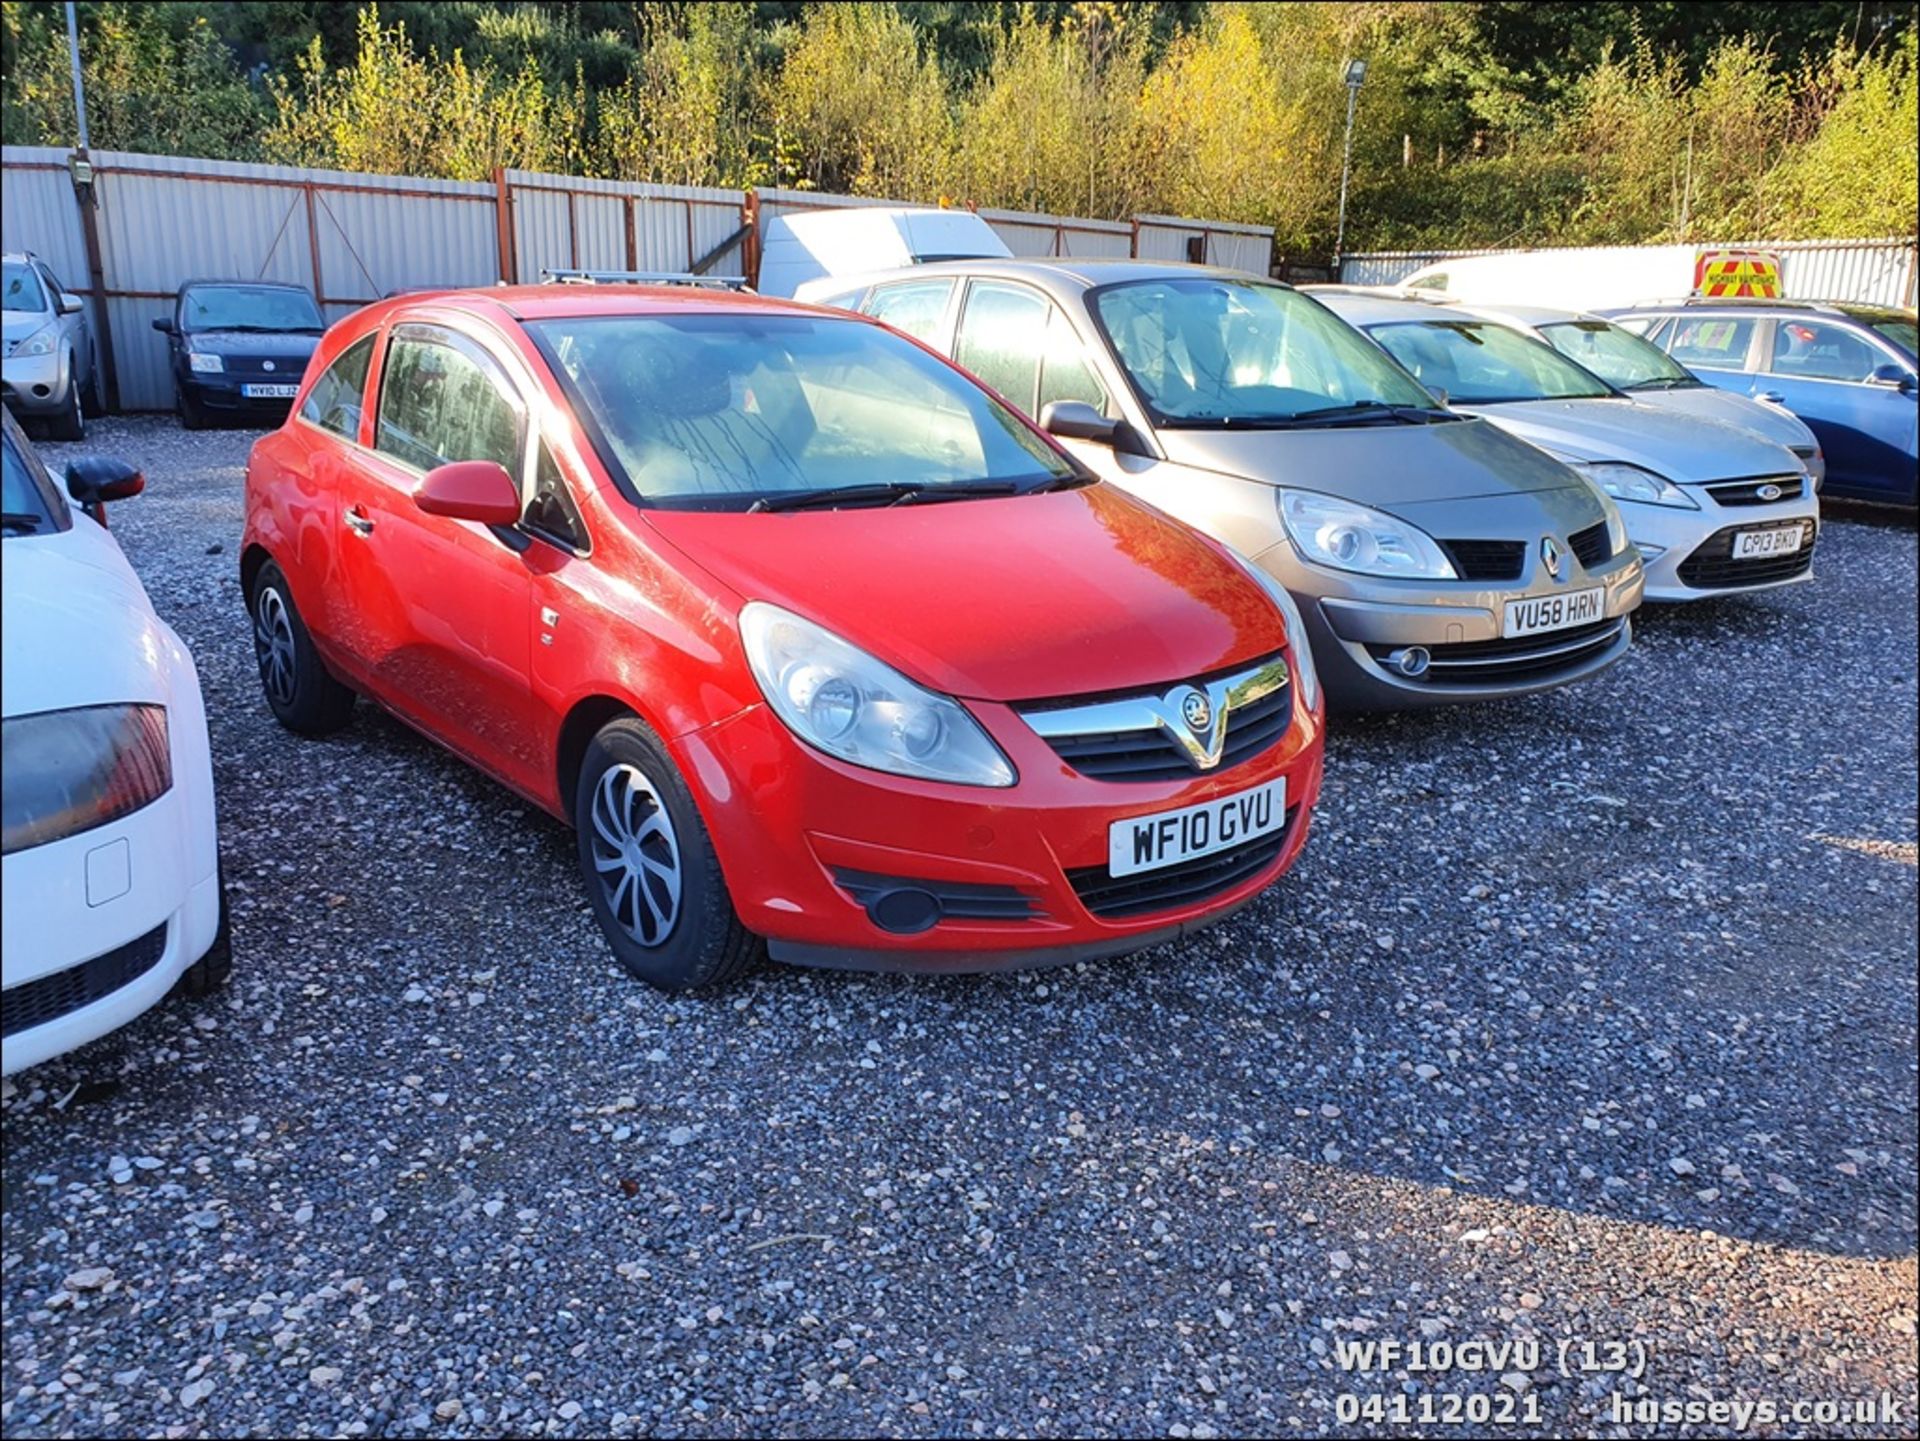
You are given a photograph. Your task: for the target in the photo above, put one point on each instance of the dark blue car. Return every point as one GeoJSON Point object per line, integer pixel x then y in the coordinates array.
{"type": "Point", "coordinates": [1846, 370]}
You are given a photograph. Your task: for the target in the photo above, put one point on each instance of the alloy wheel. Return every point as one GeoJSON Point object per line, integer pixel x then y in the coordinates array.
{"type": "Point", "coordinates": [636, 855]}
{"type": "Point", "coordinates": [273, 644]}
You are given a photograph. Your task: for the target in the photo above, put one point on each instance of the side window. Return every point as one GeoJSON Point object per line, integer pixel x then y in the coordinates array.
{"type": "Point", "coordinates": [1717, 342]}
{"type": "Point", "coordinates": [551, 512]}
{"type": "Point", "coordinates": [1002, 333]}
{"type": "Point", "coordinates": [1820, 352]}
{"type": "Point", "coordinates": [1649, 326]}
{"type": "Point", "coordinates": [53, 284]}
{"type": "Point", "coordinates": [1437, 281]}
{"type": "Point", "coordinates": [336, 398]}
{"type": "Point", "coordinates": [1065, 374]}
{"type": "Point", "coordinates": [443, 398]}
{"type": "Point", "coordinates": [917, 307]}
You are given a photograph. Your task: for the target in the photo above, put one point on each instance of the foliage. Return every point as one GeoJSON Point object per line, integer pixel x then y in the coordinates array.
{"type": "Point", "coordinates": [136, 71]}
{"type": "Point", "coordinates": [1496, 122]}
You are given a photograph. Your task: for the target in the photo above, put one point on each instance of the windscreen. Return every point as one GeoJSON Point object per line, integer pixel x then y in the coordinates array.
{"type": "Point", "coordinates": [1479, 363]}
{"type": "Point", "coordinates": [250, 307]}
{"type": "Point", "coordinates": [716, 411]}
{"type": "Point", "coordinates": [1215, 351]}
{"type": "Point", "coordinates": [21, 288]}
{"type": "Point", "coordinates": [1617, 356]}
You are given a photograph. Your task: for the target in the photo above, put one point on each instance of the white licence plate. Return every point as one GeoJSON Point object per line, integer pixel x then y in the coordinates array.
{"type": "Point", "coordinates": [1554, 612]}
{"type": "Point", "coordinates": [269, 392]}
{"type": "Point", "coordinates": [1781, 540]}
{"type": "Point", "coordinates": [1146, 843]}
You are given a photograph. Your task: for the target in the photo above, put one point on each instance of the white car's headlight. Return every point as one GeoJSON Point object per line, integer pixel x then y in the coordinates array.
{"type": "Point", "coordinates": [68, 771]}
{"type": "Point", "coordinates": [205, 364]}
{"type": "Point", "coordinates": [1305, 675]}
{"type": "Point", "coordinates": [1337, 533]}
{"type": "Point", "coordinates": [41, 342]}
{"type": "Point", "coordinates": [1630, 482]}
{"type": "Point", "coordinates": [836, 697]}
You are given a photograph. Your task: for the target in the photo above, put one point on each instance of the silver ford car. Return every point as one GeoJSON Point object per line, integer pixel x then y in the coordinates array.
{"type": "Point", "coordinates": [1435, 557]}
{"type": "Point", "coordinates": [1714, 509]}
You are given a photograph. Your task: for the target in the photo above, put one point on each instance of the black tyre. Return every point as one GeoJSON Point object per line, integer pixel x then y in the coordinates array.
{"type": "Point", "coordinates": [210, 972]}
{"type": "Point", "coordinates": [301, 691]}
{"type": "Point", "coordinates": [649, 866]}
{"type": "Point", "coordinates": [68, 424]}
{"type": "Point", "coordinates": [92, 399]}
{"type": "Point", "coordinates": [193, 415]}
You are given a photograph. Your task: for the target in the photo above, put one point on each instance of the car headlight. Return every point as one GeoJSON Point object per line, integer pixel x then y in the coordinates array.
{"type": "Point", "coordinates": [204, 364]}
{"type": "Point", "coordinates": [1617, 540]}
{"type": "Point", "coordinates": [836, 697]}
{"type": "Point", "coordinates": [1630, 482]}
{"type": "Point", "coordinates": [67, 771]}
{"type": "Point", "coordinates": [1345, 536]}
{"type": "Point", "coordinates": [41, 342]}
{"type": "Point", "coordinates": [1305, 674]}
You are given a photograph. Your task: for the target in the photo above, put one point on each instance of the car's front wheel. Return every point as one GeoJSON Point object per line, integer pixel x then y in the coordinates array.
{"type": "Point", "coordinates": [68, 423]}
{"type": "Point", "coordinates": [193, 415]}
{"type": "Point", "coordinates": [301, 691]}
{"type": "Point", "coordinates": [651, 873]}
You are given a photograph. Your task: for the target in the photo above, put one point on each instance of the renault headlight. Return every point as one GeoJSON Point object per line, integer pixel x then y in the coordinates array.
{"type": "Point", "coordinates": [203, 363]}
{"type": "Point", "coordinates": [836, 697]}
{"type": "Point", "coordinates": [1305, 675]}
{"type": "Point", "coordinates": [1337, 533]}
{"type": "Point", "coordinates": [1630, 482]}
{"type": "Point", "coordinates": [1617, 541]}
{"type": "Point", "coordinates": [41, 342]}
{"type": "Point", "coordinates": [67, 771]}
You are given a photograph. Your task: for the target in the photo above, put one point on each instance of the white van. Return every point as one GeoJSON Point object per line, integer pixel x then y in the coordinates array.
{"type": "Point", "coordinates": [1599, 277]}
{"type": "Point", "coordinates": [851, 241]}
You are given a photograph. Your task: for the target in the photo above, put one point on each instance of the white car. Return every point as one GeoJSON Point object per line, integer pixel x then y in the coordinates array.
{"type": "Point", "coordinates": [1713, 509]}
{"type": "Point", "coordinates": [110, 888]}
{"type": "Point", "coordinates": [1643, 370]}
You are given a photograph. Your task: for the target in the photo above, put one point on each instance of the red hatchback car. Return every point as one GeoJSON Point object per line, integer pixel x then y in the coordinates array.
{"type": "Point", "coordinates": [818, 645]}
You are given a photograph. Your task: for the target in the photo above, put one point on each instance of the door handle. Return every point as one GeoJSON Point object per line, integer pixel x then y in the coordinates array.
{"type": "Point", "coordinates": [359, 521]}
{"type": "Point", "coordinates": [1772, 397]}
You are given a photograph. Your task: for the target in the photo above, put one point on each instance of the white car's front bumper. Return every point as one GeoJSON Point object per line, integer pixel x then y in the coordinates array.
{"type": "Point", "coordinates": [1680, 547]}
{"type": "Point", "coordinates": [82, 911]}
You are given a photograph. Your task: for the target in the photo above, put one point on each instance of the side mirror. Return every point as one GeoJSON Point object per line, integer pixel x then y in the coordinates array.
{"type": "Point", "coordinates": [71, 304]}
{"type": "Point", "coordinates": [163, 325]}
{"type": "Point", "coordinates": [1076, 420]}
{"type": "Point", "coordinates": [1897, 376]}
{"type": "Point", "coordinates": [1438, 392]}
{"type": "Point", "coordinates": [477, 490]}
{"type": "Point", "coordinates": [93, 480]}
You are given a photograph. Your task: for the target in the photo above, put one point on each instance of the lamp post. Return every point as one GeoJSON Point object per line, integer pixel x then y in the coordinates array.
{"type": "Point", "coordinates": [79, 90]}
{"type": "Point", "coordinates": [1354, 72]}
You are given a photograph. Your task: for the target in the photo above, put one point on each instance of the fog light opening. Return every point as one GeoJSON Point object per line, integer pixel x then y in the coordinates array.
{"type": "Point", "coordinates": [1411, 662]}
{"type": "Point", "coordinates": [904, 912]}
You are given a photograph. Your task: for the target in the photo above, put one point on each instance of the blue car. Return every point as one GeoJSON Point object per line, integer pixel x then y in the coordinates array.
{"type": "Point", "coordinates": [1847, 370]}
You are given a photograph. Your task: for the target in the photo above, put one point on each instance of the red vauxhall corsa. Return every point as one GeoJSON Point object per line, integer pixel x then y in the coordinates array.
{"type": "Point", "coordinates": [819, 646]}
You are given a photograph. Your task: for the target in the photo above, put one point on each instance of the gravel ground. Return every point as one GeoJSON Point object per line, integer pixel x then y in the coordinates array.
{"type": "Point", "coordinates": [1589, 1017]}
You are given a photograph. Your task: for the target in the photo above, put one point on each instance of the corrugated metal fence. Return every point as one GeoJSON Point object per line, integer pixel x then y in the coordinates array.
{"type": "Point", "coordinates": [159, 220]}
{"type": "Point", "coordinates": [1880, 272]}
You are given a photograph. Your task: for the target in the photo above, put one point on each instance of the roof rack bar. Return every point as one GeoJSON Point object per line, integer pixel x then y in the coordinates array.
{"type": "Point", "coordinates": [641, 277]}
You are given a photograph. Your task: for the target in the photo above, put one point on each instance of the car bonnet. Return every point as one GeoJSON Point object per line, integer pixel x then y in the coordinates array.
{"type": "Point", "coordinates": [1686, 449]}
{"type": "Point", "coordinates": [1069, 592]}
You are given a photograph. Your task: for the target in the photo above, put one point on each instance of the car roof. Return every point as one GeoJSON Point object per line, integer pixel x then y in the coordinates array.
{"type": "Point", "coordinates": [243, 280]}
{"type": "Point", "coordinates": [554, 301]}
{"type": "Point", "coordinates": [1082, 272]}
{"type": "Point", "coordinates": [1359, 307]}
{"type": "Point", "coordinates": [1852, 309]}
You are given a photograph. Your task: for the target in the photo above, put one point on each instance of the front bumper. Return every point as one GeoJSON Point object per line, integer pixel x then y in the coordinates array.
{"type": "Point", "coordinates": [1358, 621]}
{"type": "Point", "coordinates": [802, 837]}
{"type": "Point", "coordinates": [92, 898]}
{"type": "Point", "coordinates": [37, 384]}
{"type": "Point", "coordinates": [1670, 538]}
{"type": "Point", "coordinates": [223, 394]}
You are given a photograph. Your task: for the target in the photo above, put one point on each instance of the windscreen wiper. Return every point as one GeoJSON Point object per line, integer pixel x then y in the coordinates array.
{"type": "Point", "coordinates": [958, 490]}
{"type": "Point", "coordinates": [1663, 382]}
{"type": "Point", "coordinates": [832, 496]}
{"type": "Point", "coordinates": [1362, 412]}
{"type": "Point", "coordinates": [21, 520]}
